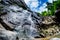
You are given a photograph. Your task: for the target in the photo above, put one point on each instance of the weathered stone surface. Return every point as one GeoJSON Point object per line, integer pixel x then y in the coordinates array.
{"type": "Point", "coordinates": [7, 35]}
{"type": "Point", "coordinates": [17, 16]}
{"type": "Point", "coordinates": [48, 20]}
{"type": "Point", "coordinates": [49, 26]}
{"type": "Point", "coordinates": [20, 3]}
{"type": "Point", "coordinates": [7, 25]}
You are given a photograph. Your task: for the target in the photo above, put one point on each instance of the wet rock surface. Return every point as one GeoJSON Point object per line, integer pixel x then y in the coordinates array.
{"type": "Point", "coordinates": [16, 17]}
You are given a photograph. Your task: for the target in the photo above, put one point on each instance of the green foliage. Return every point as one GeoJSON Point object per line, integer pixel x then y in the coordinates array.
{"type": "Point", "coordinates": [44, 13]}
{"type": "Point", "coordinates": [52, 7]}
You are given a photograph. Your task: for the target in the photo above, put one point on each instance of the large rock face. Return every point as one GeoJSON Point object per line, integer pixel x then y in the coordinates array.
{"type": "Point", "coordinates": [20, 3]}
{"type": "Point", "coordinates": [17, 17]}
{"type": "Point", "coordinates": [7, 35]}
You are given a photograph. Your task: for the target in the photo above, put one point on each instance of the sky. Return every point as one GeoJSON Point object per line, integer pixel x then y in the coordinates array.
{"type": "Point", "coordinates": [38, 5]}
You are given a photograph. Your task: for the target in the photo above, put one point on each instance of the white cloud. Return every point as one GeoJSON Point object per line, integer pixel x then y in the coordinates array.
{"type": "Point", "coordinates": [27, 1]}
{"type": "Point", "coordinates": [50, 1]}
{"type": "Point", "coordinates": [33, 4]}
{"type": "Point", "coordinates": [43, 8]}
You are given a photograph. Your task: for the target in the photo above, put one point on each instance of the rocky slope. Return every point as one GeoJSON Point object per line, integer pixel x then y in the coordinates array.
{"type": "Point", "coordinates": [18, 22]}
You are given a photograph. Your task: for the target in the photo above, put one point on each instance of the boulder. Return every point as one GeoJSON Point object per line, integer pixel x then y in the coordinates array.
{"type": "Point", "coordinates": [48, 20]}
{"type": "Point", "coordinates": [7, 35]}
{"type": "Point", "coordinates": [55, 39]}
